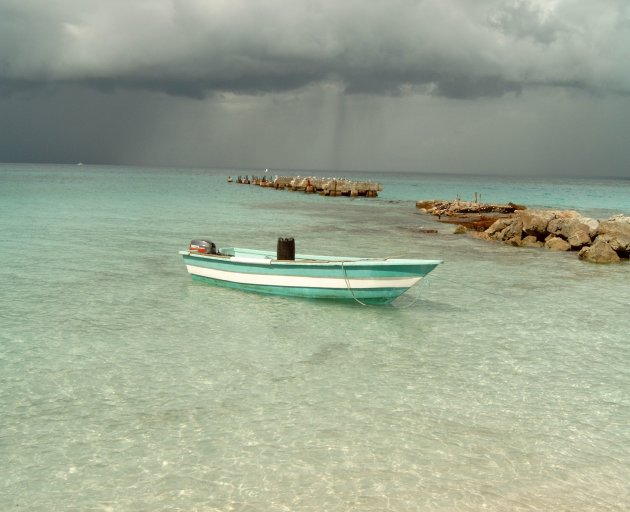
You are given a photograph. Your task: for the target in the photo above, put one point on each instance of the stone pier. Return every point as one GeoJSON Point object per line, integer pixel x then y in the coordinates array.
{"type": "Point", "coordinates": [314, 185]}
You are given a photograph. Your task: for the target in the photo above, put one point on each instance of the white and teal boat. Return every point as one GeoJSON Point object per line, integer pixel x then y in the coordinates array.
{"type": "Point", "coordinates": [365, 280]}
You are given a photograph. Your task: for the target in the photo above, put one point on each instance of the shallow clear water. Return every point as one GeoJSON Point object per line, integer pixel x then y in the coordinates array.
{"type": "Point", "coordinates": [502, 383]}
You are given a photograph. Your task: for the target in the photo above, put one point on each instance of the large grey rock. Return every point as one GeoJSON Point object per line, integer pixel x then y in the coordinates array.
{"type": "Point", "coordinates": [572, 229]}
{"type": "Point", "coordinates": [555, 243]}
{"type": "Point", "coordinates": [616, 233]}
{"type": "Point", "coordinates": [579, 236]}
{"type": "Point", "coordinates": [513, 232]}
{"type": "Point", "coordinates": [531, 241]}
{"type": "Point", "coordinates": [498, 226]}
{"type": "Point", "coordinates": [535, 222]}
{"type": "Point", "coordinates": [599, 252]}
{"type": "Point", "coordinates": [592, 224]}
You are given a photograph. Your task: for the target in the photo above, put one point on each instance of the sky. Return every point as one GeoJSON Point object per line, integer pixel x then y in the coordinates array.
{"type": "Point", "coordinates": [505, 87]}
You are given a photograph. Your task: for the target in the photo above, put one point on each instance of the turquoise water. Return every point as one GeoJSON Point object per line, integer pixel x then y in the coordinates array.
{"type": "Point", "coordinates": [502, 383]}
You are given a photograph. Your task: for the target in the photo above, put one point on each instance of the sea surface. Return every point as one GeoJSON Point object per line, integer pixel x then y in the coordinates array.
{"type": "Point", "coordinates": [502, 383]}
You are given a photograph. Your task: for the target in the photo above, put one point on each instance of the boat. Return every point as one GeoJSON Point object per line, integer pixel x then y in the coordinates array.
{"type": "Point", "coordinates": [364, 280]}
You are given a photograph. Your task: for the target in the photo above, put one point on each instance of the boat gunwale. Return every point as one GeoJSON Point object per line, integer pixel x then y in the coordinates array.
{"type": "Point", "coordinates": [261, 257]}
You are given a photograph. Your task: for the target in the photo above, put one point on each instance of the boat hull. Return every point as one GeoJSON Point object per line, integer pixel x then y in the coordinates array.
{"type": "Point", "coordinates": [373, 296]}
{"type": "Point", "coordinates": [370, 281]}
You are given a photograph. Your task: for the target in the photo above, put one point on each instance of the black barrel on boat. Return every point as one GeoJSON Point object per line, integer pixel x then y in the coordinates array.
{"type": "Point", "coordinates": [286, 249]}
{"type": "Point", "coordinates": [203, 247]}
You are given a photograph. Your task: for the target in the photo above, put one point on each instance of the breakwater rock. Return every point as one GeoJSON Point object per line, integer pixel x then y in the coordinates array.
{"type": "Point", "coordinates": [606, 241]}
{"type": "Point", "coordinates": [468, 215]}
{"type": "Point", "coordinates": [451, 208]}
{"type": "Point", "coordinates": [315, 185]}
{"type": "Point", "coordinates": [596, 241]}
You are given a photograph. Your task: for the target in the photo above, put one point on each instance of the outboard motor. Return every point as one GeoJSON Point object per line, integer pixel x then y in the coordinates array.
{"type": "Point", "coordinates": [203, 247]}
{"type": "Point", "coordinates": [286, 249]}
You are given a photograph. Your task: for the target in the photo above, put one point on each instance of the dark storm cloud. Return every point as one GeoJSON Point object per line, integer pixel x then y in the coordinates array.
{"type": "Point", "coordinates": [478, 86]}
{"type": "Point", "coordinates": [525, 20]}
{"type": "Point", "coordinates": [194, 48]}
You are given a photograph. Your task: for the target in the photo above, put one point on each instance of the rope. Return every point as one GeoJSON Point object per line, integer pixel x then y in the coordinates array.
{"type": "Point", "coordinates": [345, 276]}
{"type": "Point", "coordinates": [415, 299]}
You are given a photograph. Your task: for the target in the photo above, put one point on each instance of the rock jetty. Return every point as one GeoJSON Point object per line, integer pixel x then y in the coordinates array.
{"type": "Point", "coordinates": [468, 215]}
{"type": "Point", "coordinates": [606, 241]}
{"type": "Point", "coordinates": [457, 207]}
{"type": "Point", "coordinates": [315, 185]}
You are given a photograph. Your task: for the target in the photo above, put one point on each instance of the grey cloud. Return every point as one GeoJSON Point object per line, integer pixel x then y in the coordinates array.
{"type": "Point", "coordinates": [196, 48]}
{"type": "Point", "coordinates": [522, 19]}
{"type": "Point", "coordinates": [320, 84]}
